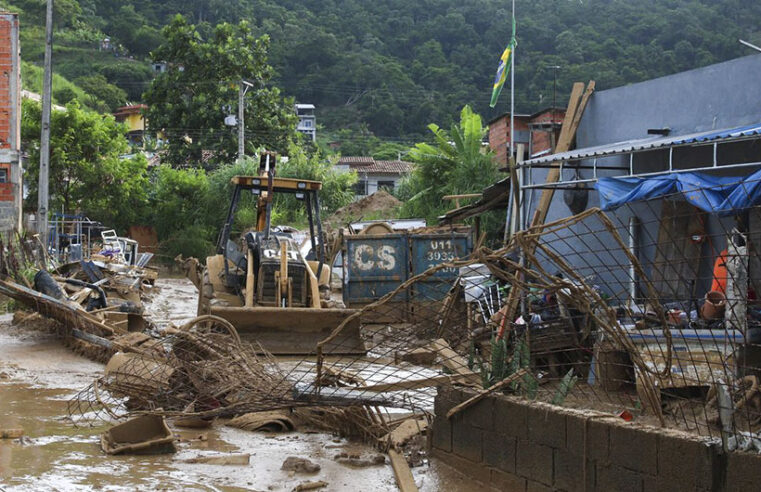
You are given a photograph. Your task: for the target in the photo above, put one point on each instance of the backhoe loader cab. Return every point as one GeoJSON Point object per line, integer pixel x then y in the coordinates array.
{"type": "Point", "coordinates": [264, 286]}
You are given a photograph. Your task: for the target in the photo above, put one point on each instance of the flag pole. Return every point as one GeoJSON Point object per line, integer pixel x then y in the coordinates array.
{"type": "Point", "coordinates": [514, 199]}
{"type": "Point", "coordinates": [512, 92]}
{"type": "Point", "coordinates": [518, 173]}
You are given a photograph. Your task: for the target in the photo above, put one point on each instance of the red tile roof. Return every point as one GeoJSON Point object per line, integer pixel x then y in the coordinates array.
{"type": "Point", "coordinates": [352, 161]}
{"type": "Point", "coordinates": [369, 165]}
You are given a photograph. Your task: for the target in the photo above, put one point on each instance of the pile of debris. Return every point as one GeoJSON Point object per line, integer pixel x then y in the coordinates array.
{"type": "Point", "coordinates": [380, 204]}
{"type": "Point", "coordinates": [98, 302]}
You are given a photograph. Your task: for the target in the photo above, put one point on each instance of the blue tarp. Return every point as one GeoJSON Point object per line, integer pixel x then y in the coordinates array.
{"type": "Point", "coordinates": [721, 195]}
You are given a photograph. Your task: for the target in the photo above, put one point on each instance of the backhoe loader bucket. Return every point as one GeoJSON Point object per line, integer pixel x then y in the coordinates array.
{"type": "Point", "coordinates": [294, 331]}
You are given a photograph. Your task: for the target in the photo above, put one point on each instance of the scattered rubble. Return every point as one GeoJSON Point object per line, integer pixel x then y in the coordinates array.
{"type": "Point", "coordinates": [263, 422]}
{"type": "Point", "coordinates": [147, 434]}
{"type": "Point", "coordinates": [299, 465]}
{"type": "Point", "coordinates": [226, 460]}
{"type": "Point", "coordinates": [310, 486]}
{"type": "Point", "coordinates": [356, 460]}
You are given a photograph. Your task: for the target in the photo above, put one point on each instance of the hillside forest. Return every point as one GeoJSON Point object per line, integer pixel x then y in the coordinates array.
{"type": "Point", "coordinates": [389, 78]}
{"type": "Point", "coordinates": [388, 68]}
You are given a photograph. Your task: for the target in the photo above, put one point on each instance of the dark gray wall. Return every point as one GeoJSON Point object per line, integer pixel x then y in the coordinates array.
{"type": "Point", "coordinates": [713, 97]}
{"type": "Point", "coordinates": [718, 96]}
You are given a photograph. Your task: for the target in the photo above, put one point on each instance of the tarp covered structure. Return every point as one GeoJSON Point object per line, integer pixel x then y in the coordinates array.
{"type": "Point", "coordinates": [721, 195]}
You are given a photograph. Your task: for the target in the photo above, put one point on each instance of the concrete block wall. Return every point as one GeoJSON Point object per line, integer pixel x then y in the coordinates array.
{"type": "Point", "coordinates": [513, 445]}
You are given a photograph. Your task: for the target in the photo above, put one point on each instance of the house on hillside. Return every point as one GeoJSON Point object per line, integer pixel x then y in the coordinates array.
{"type": "Point", "coordinates": [374, 174]}
{"type": "Point", "coordinates": [537, 132]}
{"type": "Point", "coordinates": [132, 116]}
{"type": "Point", "coordinates": [307, 120]}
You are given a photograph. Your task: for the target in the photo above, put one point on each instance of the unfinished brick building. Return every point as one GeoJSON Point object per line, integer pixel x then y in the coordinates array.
{"type": "Point", "coordinates": [10, 123]}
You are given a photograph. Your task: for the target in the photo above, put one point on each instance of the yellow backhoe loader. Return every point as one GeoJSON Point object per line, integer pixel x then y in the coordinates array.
{"type": "Point", "coordinates": [266, 287]}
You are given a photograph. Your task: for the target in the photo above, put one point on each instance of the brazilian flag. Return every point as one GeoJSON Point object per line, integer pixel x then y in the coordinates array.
{"type": "Point", "coordinates": [503, 68]}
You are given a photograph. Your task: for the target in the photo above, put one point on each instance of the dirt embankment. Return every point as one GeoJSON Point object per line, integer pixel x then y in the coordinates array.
{"type": "Point", "coordinates": [379, 205]}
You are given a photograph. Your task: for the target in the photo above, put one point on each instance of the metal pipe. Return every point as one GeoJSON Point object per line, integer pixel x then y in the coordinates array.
{"type": "Point", "coordinates": [225, 233]}
{"type": "Point", "coordinates": [241, 121]}
{"type": "Point", "coordinates": [310, 218]}
{"type": "Point", "coordinates": [321, 245]}
{"type": "Point", "coordinates": [552, 166]}
{"type": "Point", "coordinates": [643, 175]}
{"type": "Point", "coordinates": [634, 224]}
{"type": "Point", "coordinates": [671, 159]}
{"type": "Point", "coordinates": [554, 158]}
{"type": "Point", "coordinates": [715, 160]}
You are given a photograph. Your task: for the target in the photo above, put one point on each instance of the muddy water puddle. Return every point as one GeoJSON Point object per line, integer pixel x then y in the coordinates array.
{"type": "Point", "coordinates": [174, 301]}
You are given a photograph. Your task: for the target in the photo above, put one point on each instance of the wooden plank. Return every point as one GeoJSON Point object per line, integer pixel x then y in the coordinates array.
{"type": "Point", "coordinates": [402, 472]}
{"type": "Point", "coordinates": [454, 361]}
{"type": "Point", "coordinates": [571, 122]}
{"type": "Point", "coordinates": [480, 396]}
{"type": "Point", "coordinates": [405, 431]}
{"type": "Point", "coordinates": [225, 459]}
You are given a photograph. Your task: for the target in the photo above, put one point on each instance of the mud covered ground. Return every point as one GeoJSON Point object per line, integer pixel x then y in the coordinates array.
{"type": "Point", "coordinates": [38, 375]}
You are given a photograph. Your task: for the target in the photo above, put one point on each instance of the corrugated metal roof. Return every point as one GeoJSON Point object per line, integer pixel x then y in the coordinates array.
{"type": "Point", "coordinates": [652, 143]}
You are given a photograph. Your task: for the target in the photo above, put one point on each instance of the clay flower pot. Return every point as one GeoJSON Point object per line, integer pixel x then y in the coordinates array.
{"type": "Point", "coordinates": [713, 307]}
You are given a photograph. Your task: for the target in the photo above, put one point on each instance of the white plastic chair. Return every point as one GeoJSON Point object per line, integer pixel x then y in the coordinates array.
{"type": "Point", "coordinates": [111, 245]}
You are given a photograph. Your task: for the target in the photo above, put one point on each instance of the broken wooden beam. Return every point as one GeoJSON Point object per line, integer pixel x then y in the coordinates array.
{"type": "Point", "coordinates": [404, 432]}
{"type": "Point", "coordinates": [322, 395]}
{"type": "Point", "coordinates": [11, 433]}
{"type": "Point", "coordinates": [402, 472]}
{"type": "Point", "coordinates": [226, 459]}
{"type": "Point", "coordinates": [454, 362]}
{"type": "Point", "coordinates": [481, 395]}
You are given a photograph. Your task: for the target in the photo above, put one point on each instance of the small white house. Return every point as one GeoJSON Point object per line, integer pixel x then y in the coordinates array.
{"type": "Point", "coordinates": [307, 120]}
{"type": "Point", "coordinates": [373, 174]}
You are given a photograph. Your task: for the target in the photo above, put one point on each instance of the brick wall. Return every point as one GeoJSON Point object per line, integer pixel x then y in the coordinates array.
{"type": "Point", "coordinates": [499, 136]}
{"type": "Point", "coordinates": [10, 122]}
{"type": "Point", "coordinates": [512, 445]}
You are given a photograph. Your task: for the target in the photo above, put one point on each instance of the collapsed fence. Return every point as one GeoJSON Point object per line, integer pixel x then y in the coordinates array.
{"type": "Point", "coordinates": [609, 312]}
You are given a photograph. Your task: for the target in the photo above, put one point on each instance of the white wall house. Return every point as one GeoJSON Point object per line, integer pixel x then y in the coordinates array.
{"type": "Point", "coordinates": [375, 174]}
{"type": "Point", "coordinates": [307, 120]}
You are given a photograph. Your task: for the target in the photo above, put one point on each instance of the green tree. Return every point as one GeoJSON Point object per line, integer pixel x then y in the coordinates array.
{"type": "Point", "coordinates": [337, 186]}
{"type": "Point", "coordinates": [456, 163]}
{"type": "Point", "coordinates": [99, 88]}
{"type": "Point", "coordinates": [87, 172]}
{"type": "Point", "coordinates": [188, 103]}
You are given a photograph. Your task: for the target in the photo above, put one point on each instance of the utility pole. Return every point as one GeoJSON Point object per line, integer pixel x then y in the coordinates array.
{"type": "Point", "coordinates": [554, 103]}
{"type": "Point", "coordinates": [554, 85]}
{"type": "Point", "coordinates": [42, 185]}
{"type": "Point", "coordinates": [241, 122]}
